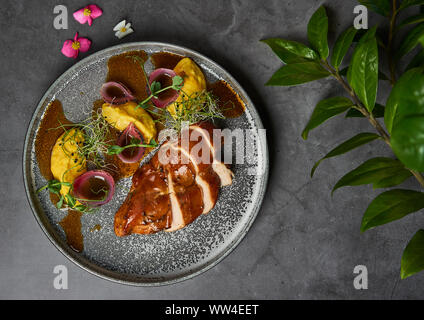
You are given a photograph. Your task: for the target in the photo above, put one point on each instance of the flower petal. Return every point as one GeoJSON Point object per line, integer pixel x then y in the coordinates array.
{"type": "Point", "coordinates": [121, 34]}
{"type": "Point", "coordinates": [95, 11]}
{"type": "Point", "coordinates": [128, 25]}
{"type": "Point", "coordinates": [90, 20]}
{"type": "Point", "coordinates": [119, 26]}
{"type": "Point", "coordinates": [76, 36]}
{"type": "Point", "coordinates": [129, 31]}
{"type": "Point", "coordinates": [85, 44]}
{"type": "Point", "coordinates": [68, 51]}
{"type": "Point", "coordinates": [80, 17]}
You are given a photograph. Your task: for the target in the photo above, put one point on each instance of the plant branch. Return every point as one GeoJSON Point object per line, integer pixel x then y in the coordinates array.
{"type": "Point", "coordinates": [360, 107]}
{"type": "Point", "coordinates": [418, 176]}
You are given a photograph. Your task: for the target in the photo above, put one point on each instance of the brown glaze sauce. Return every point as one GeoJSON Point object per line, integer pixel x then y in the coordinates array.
{"type": "Point", "coordinates": [47, 136]}
{"type": "Point", "coordinates": [71, 224]}
{"type": "Point", "coordinates": [147, 207]}
{"type": "Point", "coordinates": [97, 227]}
{"type": "Point", "coordinates": [122, 68]}
{"type": "Point", "coordinates": [165, 60]}
{"type": "Point", "coordinates": [228, 101]}
{"type": "Point", "coordinates": [45, 140]}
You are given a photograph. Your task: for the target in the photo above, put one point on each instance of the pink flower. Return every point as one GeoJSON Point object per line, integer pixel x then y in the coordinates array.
{"type": "Point", "coordinates": [71, 48]}
{"type": "Point", "coordinates": [88, 14]}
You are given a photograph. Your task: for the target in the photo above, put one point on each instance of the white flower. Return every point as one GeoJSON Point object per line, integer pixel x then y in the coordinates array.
{"type": "Point", "coordinates": [122, 29]}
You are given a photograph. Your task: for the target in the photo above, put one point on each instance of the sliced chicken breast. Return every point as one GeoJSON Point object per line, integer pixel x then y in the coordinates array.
{"type": "Point", "coordinates": [171, 192]}
{"type": "Point", "coordinates": [221, 169]}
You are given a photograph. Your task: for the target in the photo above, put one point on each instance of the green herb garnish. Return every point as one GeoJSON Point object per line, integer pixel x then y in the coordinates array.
{"type": "Point", "coordinates": [195, 108]}
{"type": "Point", "coordinates": [155, 89]}
{"type": "Point", "coordinates": [54, 187]}
{"type": "Point", "coordinates": [96, 136]}
{"type": "Point", "coordinates": [135, 143]}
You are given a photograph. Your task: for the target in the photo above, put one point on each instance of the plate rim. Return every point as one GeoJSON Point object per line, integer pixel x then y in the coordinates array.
{"type": "Point", "coordinates": [154, 283]}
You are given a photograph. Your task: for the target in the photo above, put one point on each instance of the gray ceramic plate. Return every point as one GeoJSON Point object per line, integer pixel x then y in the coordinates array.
{"type": "Point", "coordinates": [161, 258]}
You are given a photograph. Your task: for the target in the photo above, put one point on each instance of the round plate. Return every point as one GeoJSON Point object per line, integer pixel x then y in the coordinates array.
{"type": "Point", "coordinates": [161, 258]}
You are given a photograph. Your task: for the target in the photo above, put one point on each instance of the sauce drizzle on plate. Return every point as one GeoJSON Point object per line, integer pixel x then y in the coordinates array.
{"type": "Point", "coordinates": [71, 224]}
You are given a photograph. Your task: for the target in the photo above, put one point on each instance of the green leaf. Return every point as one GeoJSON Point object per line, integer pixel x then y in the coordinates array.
{"type": "Point", "coordinates": [177, 81]}
{"type": "Point", "coordinates": [411, 40]}
{"type": "Point", "coordinates": [142, 105]}
{"type": "Point", "coordinates": [363, 72]}
{"type": "Point", "coordinates": [59, 204]}
{"type": "Point", "coordinates": [413, 256]}
{"type": "Point", "coordinates": [112, 150]}
{"type": "Point", "coordinates": [417, 61]}
{"type": "Point", "coordinates": [134, 140]}
{"type": "Point", "coordinates": [298, 73]}
{"type": "Point", "coordinates": [411, 20]}
{"type": "Point", "coordinates": [381, 75]}
{"type": "Point", "coordinates": [377, 112]}
{"type": "Point", "coordinates": [380, 172]}
{"type": "Point", "coordinates": [325, 110]}
{"type": "Point", "coordinates": [364, 35]}
{"type": "Point", "coordinates": [342, 45]}
{"type": "Point", "coordinates": [352, 143]}
{"type": "Point", "coordinates": [295, 49]}
{"type": "Point", "coordinates": [407, 141]}
{"type": "Point", "coordinates": [318, 32]}
{"type": "Point", "coordinates": [406, 98]}
{"type": "Point", "coordinates": [278, 46]}
{"type": "Point", "coordinates": [390, 206]}
{"type": "Point", "coordinates": [70, 200]}
{"type": "Point", "coordinates": [382, 7]}
{"type": "Point", "coordinates": [155, 87]}
{"type": "Point", "coordinates": [54, 186]}
{"type": "Point", "coordinates": [408, 3]}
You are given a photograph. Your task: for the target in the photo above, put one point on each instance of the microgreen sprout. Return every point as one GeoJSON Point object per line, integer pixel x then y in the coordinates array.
{"type": "Point", "coordinates": [156, 89]}
{"type": "Point", "coordinates": [54, 186]}
{"type": "Point", "coordinates": [95, 139]}
{"type": "Point", "coordinates": [194, 108]}
{"type": "Point", "coordinates": [135, 143]}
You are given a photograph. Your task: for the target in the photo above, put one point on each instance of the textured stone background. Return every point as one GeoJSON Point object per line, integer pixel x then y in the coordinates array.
{"type": "Point", "coordinates": [304, 244]}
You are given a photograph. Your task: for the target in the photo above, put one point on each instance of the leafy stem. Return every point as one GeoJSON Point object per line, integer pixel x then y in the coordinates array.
{"type": "Point", "coordinates": [115, 149]}
{"type": "Point", "coordinates": [54, 186]}
{"type": "Point", "coordinates": [155, 89]}
{"type": "Point", "coordinates": [403, 112]}
{"type": "Point", "coordinates": [359, 106]}
{"type": "Point", "coordinates": [155, 86]}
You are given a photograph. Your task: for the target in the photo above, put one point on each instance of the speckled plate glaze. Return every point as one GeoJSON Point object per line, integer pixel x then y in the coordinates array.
{"type": "Point", "coordinates": [162, 258]}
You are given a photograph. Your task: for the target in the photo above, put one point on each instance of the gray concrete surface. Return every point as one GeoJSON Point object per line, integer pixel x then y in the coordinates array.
{"type": "Point", "coordinates": [303, 245]}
